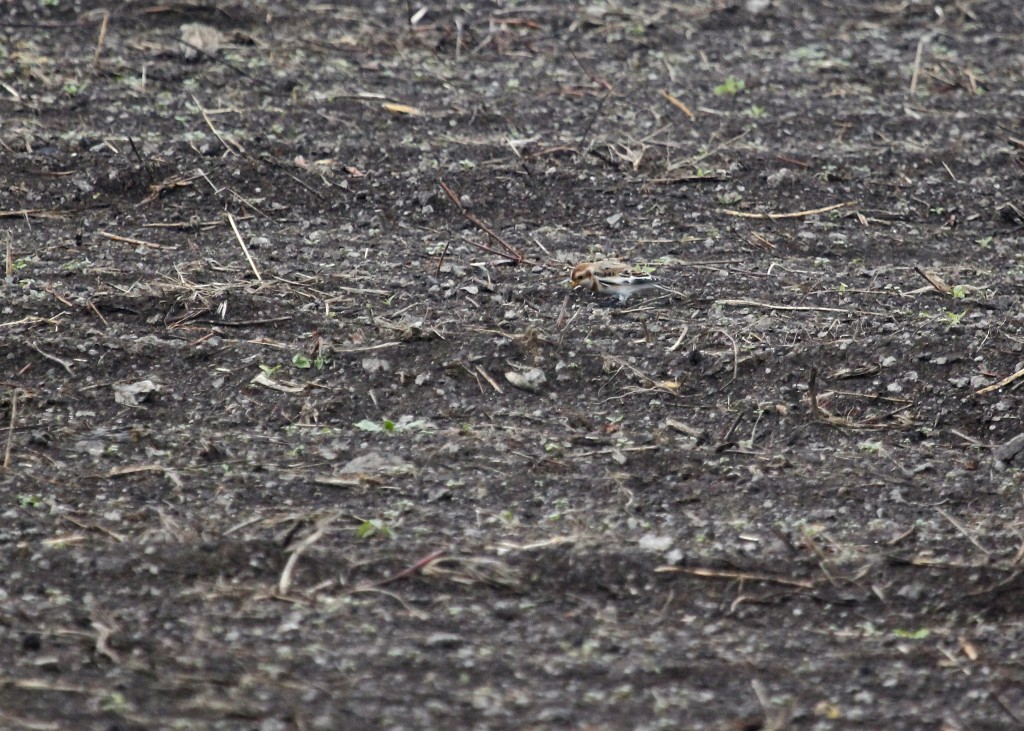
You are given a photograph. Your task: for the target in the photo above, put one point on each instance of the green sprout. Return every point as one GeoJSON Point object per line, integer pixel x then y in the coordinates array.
{"type": "Point", "coordinates": [374, 527]}
{"type": "Point", "coordinates": [954, 318]}
{"type": "Point", "coordinates": [30, 501]}
{"type": "Point", "coordinates": [730, 87]}
{"type": "Point", "coordinates": [369, 425]}
{"type": "Point", "coordinates": [300, 360]}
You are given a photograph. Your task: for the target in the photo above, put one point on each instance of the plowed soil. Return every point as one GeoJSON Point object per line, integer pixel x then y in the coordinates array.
{"type": "Point", "coordinates": [303, 429]}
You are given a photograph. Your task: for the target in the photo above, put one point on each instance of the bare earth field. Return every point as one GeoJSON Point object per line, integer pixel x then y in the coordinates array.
{"type": "Point", "coordinates": [302, 428]}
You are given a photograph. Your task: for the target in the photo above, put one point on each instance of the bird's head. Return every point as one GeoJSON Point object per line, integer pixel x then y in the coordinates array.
{"type": "Point", "coordinates": [582, 275]}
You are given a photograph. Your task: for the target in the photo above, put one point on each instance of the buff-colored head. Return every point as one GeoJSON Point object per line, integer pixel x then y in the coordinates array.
{"type": "Point", "coordinates": [586, 273]}
{"type": "Point", "coordinates": [582, 275]}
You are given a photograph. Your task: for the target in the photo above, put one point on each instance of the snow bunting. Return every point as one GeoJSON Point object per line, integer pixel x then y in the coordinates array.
{"type": "Point", "coordinates": [611, 278]}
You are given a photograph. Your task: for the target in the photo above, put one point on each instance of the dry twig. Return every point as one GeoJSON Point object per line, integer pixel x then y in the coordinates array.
{"type": "Point", "coordinates": [413, 611]}
{"type": "Point", "coordinates": [510, 252]}
{"type": "Point", "coordinates": [32, 213]}
{"type": "Point", "coordinates": [812, 393]}
{"type": "Point", "coordinates": [404, 573]}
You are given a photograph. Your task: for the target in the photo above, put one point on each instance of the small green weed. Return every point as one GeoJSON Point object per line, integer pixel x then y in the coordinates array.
{"type": "Point", "coordinates": [730, 87]}
{"type": "Point", "coordinates": [955, 318]}
{"type": "Point", "coordinates": [300, 360]}
{"type": "Point", "coordinates": [374, 527]}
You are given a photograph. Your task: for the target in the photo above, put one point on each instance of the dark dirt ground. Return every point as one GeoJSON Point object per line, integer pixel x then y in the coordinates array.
{"type": "Point", "coordinates": [304, 491]}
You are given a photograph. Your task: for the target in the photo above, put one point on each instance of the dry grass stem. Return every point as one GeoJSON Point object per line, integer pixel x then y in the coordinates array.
{"type": "Point", "coordinates": [794, 214]}
{"type": "Point", "coordinates": [104, 24]}
{"type": "Point", "coordinates": [229, 144]}
{"type": "Point", "coordinates": [799, 308]}
{"type": "Point", "coordinates": [10, 427]}
{"type": "Point", "coordinates": [134, 242]}
{"type": "Point", "coordinates": [413, 612]}
{"type": "Point", "coordinates": [734, 575]}
{"type": "Point", "coordinates": [935, 281]}
{"type": "Point", "coordinates": [1005, 382]}
{"type": "Point", "coordinates": [245, 249]}
{"type": "Point", "coordinates": [489, 379]}
{"type": "Point", "coordinates": [963, 530]}
{"type": "Point", "coordinates": [679, 341]}
{"type": "Point", "coordinates": [677, 104]}
{"type": "Point", "coordinates": [922, 41]}
{"type": "Point", "coordinates": [284, 584]}
{"type": "Point", "coordinates": [66, 365]}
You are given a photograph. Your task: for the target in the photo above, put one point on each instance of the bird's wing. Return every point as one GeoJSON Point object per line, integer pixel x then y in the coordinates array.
{"type": "Point", "coordinates": [628, 278]}
{"type": "Point", "coordinates": [609, 268]}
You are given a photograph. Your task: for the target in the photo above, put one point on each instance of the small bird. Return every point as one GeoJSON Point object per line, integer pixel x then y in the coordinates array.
{"type": "Point", "coordinates": [611, 278]}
